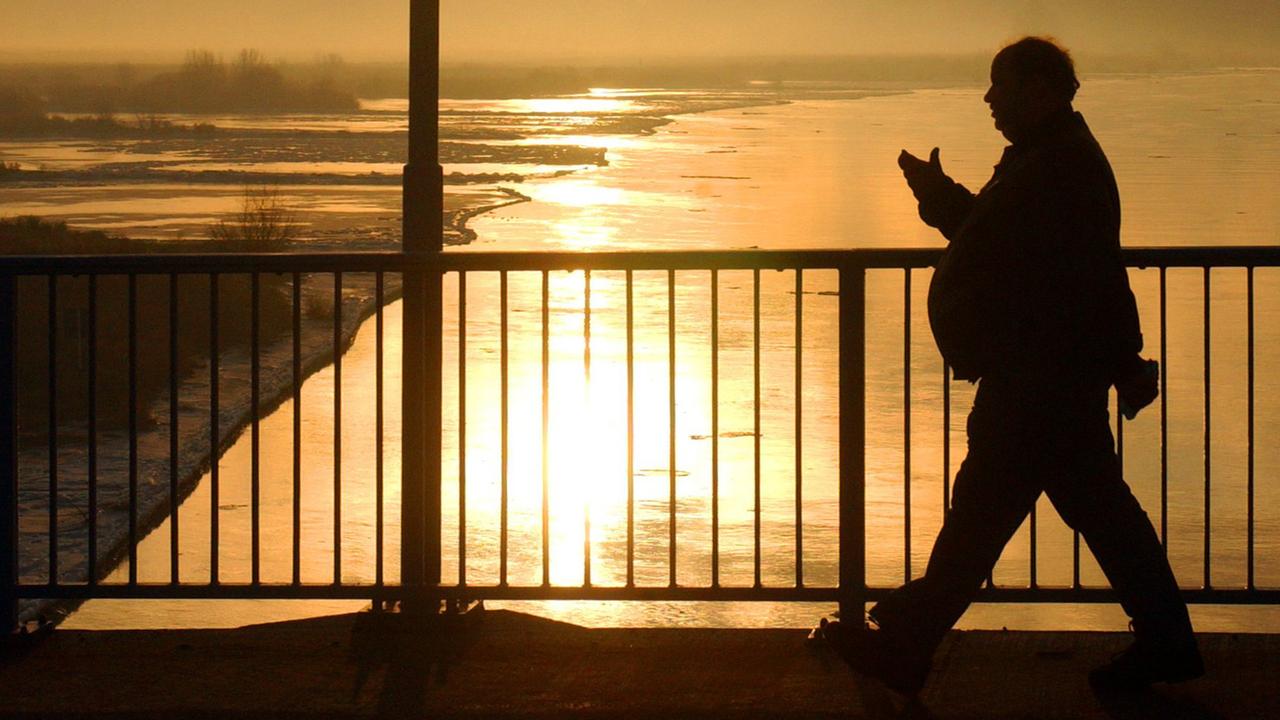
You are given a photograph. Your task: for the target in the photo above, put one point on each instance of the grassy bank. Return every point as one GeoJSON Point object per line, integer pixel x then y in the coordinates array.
{"type": "Point", "coordinates": [328, 325]}
{"type": "Point", "coordinates": [72, 325]}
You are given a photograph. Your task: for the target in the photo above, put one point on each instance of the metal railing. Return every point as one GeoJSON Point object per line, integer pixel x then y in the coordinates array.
{"type": "Point", "coordinates": [145, 508]}
{"type": "Point", "coordinates": [421, 524]}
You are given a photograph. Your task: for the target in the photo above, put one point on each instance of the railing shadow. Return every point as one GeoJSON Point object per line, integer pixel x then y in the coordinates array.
{"type": "Point", "coordinates": [413, 650]}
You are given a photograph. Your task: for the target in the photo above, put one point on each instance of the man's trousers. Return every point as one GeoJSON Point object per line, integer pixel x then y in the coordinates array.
{"type": "Point", "coordinates": [1019, 447]}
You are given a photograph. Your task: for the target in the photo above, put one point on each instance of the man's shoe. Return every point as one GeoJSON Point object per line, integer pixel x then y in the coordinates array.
{"type": "Point", "coordinates": [867, 653]}
{"type": "Point", "coordinates": [1140, 666]}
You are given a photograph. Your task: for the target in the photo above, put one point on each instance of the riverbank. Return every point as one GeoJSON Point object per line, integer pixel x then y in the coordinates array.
{"type": "Point", "coordinates": [236, 411]}
{"type": "Point", "coordinates": [359, 302]}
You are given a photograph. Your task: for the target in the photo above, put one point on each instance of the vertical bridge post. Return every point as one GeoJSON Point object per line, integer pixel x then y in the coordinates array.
{"type": "Point", "coordinates": [8, 455]}
{"type": "Point", "coordinates": [423, 209]}
{"type": "Point", "coordinates": [853, 437]}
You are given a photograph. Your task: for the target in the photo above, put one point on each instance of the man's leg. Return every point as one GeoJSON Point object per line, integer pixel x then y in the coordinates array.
{"type": "Point", "coordinates": [1094, 499]}
{"type": "Point", "coordinates": [991, 498]}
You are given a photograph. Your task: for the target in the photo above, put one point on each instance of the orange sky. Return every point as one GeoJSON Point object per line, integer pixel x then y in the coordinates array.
{"type": "Point", "coordinates": [163, 30]}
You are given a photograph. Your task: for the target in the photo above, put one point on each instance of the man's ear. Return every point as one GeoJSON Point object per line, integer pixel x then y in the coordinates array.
{"type": "Point", "coordinates": [1037, 89]}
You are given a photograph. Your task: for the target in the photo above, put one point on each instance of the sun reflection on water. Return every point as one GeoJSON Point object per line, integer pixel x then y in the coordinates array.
{"type": "Point", "coordinates": [580, 193]}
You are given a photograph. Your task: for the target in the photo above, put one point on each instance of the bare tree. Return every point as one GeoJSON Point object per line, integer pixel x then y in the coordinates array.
{"type": "Point", "coordinates": [263, 224]}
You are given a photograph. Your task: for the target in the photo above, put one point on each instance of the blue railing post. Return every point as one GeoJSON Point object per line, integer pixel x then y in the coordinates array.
{"type": "Point", "coordinates": [423, 208]}
{"type": "Point", "coordinates": [8, 455]}
{"type": "Point", "coordinates": [853, 397]}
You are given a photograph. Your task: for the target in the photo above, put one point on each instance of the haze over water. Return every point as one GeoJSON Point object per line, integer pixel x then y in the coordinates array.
{"type": "Point", "coordinates": [1197, 158]}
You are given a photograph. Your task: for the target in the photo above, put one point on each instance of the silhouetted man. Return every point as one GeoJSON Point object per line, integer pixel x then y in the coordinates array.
{"type": "Point", "coordinates": [1031, 299]}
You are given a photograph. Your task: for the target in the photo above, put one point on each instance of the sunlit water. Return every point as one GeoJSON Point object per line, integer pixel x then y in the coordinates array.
{"type": "Point", "coordinates": [1197, 158]}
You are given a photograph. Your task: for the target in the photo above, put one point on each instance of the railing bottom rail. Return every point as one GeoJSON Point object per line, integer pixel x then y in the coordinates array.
{"type": "Point", "coordinates": [223, 591]}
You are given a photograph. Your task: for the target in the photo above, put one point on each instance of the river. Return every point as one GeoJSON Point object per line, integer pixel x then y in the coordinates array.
{"type": "Point", "coordinates": [1197, 158]}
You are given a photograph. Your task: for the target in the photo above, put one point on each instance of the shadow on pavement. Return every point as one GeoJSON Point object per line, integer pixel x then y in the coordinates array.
{"type": "Point", "coordinates": [414, 651]}
{"type": "Point", "coordinates": [1153, 704]}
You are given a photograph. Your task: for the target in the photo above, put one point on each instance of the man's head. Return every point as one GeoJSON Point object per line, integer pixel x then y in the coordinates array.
{"type": "Point", "coordinates": [1031, 80]}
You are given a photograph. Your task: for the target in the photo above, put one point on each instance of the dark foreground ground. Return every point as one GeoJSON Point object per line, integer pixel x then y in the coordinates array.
{"type": "Point", "coordinates": [503, 664]}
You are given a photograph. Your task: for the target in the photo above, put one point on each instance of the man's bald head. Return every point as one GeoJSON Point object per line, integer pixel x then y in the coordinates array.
{"type": "Point", "coordinates": [1042, 59]}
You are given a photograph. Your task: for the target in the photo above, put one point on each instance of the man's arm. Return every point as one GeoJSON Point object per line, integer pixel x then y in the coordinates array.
{"type": "Point", "coordinates": [944, 203]}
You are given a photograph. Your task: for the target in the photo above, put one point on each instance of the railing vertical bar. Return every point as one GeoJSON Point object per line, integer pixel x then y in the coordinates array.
{"type": "Point", "coordinates": [215, 441]}
{"type": "Point", "coordinates": [1208, 467]}
{"type": "Point", "coordinates": [671, 426]}
{"type": "Point", "coordinates": [1033, 564]}
{"type": "Point", "coordinates": [432, 428]}
{"type": "Point", "coordinates": [586, 370]}
{"type": "Point", "coordinates": [133, 429]}
{"type": "Point", "coordinates": [1075, 560]}
{"type": "Point", "coordinates": [173, 429]}
{"type": "Point", "coordinates": [946, 440]}
{"type": "Point", "coordinates": [906, 424]}
{"type": "Point", "coordinates": [297, 427]}
{"type": "Point", "coordinates": [1119, 438]}
{"type": "Point", "coordinates": [631, 434]}
{"type": "Point", "coordinates": [799, 427]}
{"type": "Point", "coordinates": [1033, 545]}
{"type": "Point", "coordinates": [1249, 421]}
{"type": "Point", "coordinates": [715, 428]}
{"type": "Point", "coordinates": [503, 410]}
{"type": "Point", "coordinates": [92, 520]}
{"type": "Point", "coordinates": [1119, 432]}
{"type": "Point", "coordinates": [379, 292]}
{"type": "Point", "coordinates": [1164, 411]}
{"type": "Point", "coordinates": [852, 404]}
{"type": "Point", "coordinates": [755, 410]}
{"type": "Point", "coordinates": [546, 425]}
{"type": "Point", "coordinates": [462, 428]}
{"type": "Point", "coordinates": [53, 429]}
{"type": "Point", "coordinates": [337, 428]}
{"type": "Point", "coordinates": [255, 434]}
{"type": "Point", "coordinates": [8, 454]}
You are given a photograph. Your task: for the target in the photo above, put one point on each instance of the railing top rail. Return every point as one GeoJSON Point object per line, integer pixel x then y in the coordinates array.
{"type": "Point", "coordinates": [1224, 256]}
{"type": "Point", "coordinates": [747, 259]}
{"type": "Point", "coordinates": [750, 259]}
{"type": "Point", "coordinates": [1204, 256]}
{"type": "Point", "coordinates": [204, 263]}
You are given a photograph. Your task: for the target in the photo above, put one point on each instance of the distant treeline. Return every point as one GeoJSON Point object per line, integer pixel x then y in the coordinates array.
{"type": "Point", "coordinates": [22, 115]}
{"type": "Point", "coordinates": [204, 83]}
{"type": "Point", "coordinates": [28, 235]}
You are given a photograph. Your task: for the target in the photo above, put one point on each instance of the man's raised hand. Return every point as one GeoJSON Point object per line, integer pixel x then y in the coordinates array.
{"type": "Point", "coordinates": [922, 176]}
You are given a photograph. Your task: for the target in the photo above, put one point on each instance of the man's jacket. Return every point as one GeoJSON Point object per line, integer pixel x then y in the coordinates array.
{"type": "Point", "coordinates": [1032, 288]}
